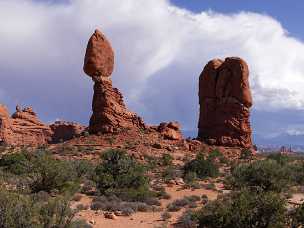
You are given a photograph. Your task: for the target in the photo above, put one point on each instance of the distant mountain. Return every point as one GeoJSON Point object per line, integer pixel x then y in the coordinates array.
{"type": "Point", "coordinates": [282, 139]}
{"type": "Point", "coordinates": [295, 141]}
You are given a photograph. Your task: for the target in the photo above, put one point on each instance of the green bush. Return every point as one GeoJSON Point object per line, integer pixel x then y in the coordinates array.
{"type": "Point", "coordinates": [297, 172]}
{"type": "Point", "coordinates": [42, 172]}
{"type": "Point", "coordinates": [16, 163]}
{"type": "Point", "coordinates": [265, 174]}
{"type": "Point", "coordinates": [24, 211]}
{"type": "Point", "coordinates": [245, 154]}
{"type": "Point", "coordinates": [166, 160]}
{"type": "Point", "coordinates": [202, 167]}
{"type": "Point", "coordinates": [83, 168]}
{"type": "Point", "coordinates": [297, 216]}
{"type": "Point", "coordinates": [245, 209]}
{"type": "Point", "coordinates": [170, 173]}
{"type": "Point", "coordinates": [16, 211]}
{"type": "Point", "coordinates": [217, 156]}
{"type": "Point", "coordinates": [121, 175]}
{"type": "Point", "coordinates": [48, 174]}
{"type": "Point", "coordinates": [279, 158]}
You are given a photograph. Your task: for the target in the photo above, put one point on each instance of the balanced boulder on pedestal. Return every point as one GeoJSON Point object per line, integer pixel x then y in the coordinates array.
{"type": "Point", "coordinates": [109, 111]}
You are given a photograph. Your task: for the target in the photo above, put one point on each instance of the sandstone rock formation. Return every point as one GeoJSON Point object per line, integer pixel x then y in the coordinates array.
{"type": "Point", "coordinates": [109, 111]}
{"type": "Point", "coordinates": [63, 131]}
{"type": "Point", "coordinates": [22, 128]}
{"type": "Point", "coordinates": [170, 130]}
{"type": "Point", "coordinates": [225, 101]}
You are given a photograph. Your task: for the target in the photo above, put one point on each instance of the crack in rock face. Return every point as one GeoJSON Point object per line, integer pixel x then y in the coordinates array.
{"type": "Point", "coordinates": [225, 102]}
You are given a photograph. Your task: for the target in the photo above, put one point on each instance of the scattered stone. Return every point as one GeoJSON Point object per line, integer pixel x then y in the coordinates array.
{"type": "Point", "coordinates": [118, 213]}
{"type": "Point", "coordinates": [179, 181]}
{"type": "Point", "coordinates": [92, 222]}
{"type": "Point", "coordinates": [110, 215]}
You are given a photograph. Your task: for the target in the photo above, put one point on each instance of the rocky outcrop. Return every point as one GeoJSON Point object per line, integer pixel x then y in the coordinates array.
{"type": "Point", "coordinates": [22, 128]}
{"type": "Point", "coordinates": [225, 101]}
{"type": "Point", "coordinates": [170, 130]}
{"type": "Point", "coordinates": [63, 131]}
{"type": "Point", "coordinates": [109, 111]}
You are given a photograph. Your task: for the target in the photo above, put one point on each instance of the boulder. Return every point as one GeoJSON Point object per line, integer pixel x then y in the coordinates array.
{"type": "Point", "coordinates": [170, 130]}
{"type": "Point", "coordinates": [99, 57]}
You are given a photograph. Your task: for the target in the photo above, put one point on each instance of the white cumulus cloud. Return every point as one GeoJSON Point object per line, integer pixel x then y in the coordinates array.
{"type": "Point", "coordinates": [160, 51]}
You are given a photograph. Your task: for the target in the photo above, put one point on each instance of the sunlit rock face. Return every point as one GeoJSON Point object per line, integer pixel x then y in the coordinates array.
{"type": "Point", "coordinates": [225, 102]}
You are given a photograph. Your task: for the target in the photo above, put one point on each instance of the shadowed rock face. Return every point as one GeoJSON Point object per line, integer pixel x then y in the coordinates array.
{"type": "Point", "coordinates": [225, 101]}
{"type": "Point", "coordinates": [109, 111]}
{"type": "Point", "coordinates": [63, 131]}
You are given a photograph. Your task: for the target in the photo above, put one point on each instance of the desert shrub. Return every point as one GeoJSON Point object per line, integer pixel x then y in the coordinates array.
{"type": "Point", "coordinates": [151, 162]}
{"type": "Point", "coordinates": [48, 174]}
{"type": "Point", "coordinates": [190, 177]}
{"type": "Point", "coordinates": [245, 154]}
{"type": "Point", "coordinates": [83, 168]}
{"type": "Point", "coordinates": [245, 209]}
{"type": "Point", "coordinates": [202, 167]}
{"type": "Point", "coordinates": [281, 159]}
{"type": "Point", "coordinates": [193, 198]}
{"type": "Point", "coordinates": [216, 155]}
{"type": "Point", "coordinates": [56, 213]}
{"type": "Point", "coordinates": [166, 160]}
{"type": "Point", "coordinates": [24, 211]}
{"type": "Point", "coordinates": [121, 175]}
{"type": "Point", "coordinates": [115, 204]}
{"type": "Point", "coordinates": [161, 193]}
{"type": "Point", "coordinates": [297, 172]}
{"type": "Point", "coordinates": [265, 174]}
{"type": "Point", "coordinates": [88, 187]}
{"type": "Point", "coordinates": [170, 173]}
{"type": "Point", "coordinates": [41, 171]}
{"type": "Point", "coordinates": [16, 163]}
{"type": "Point", "coordinates": [189, 219]}
{"type": "Point", "coordinates": [16, 210]}
{"type": "Point", "coordinates": [166, 216]}
{"type": "Point", "coordinates": [178, 204]}
{"type": "Point", "coordinates": [297, 216]}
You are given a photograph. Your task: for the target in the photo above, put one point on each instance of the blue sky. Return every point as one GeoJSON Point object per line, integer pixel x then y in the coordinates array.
{"type": "Point", "coordinates": [160, 50]}
{"type": "Point", "coordinates": [288, 12]}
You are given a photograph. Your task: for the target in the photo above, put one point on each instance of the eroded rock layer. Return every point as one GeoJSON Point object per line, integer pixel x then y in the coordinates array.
{"type": "Point", "coordinates": [109, 111]}
{"type": "Point", "coordinates": [225, 101]}
{"type": "Point", "coordinates": [23, 128]}
{"type": "Point", "coordinates": [63, 131]}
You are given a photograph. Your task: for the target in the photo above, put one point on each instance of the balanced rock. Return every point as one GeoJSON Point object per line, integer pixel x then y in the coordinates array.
{"type": "Point", "coordinates": [23, 128]}
{"type": "Point", "coordinates": [109, 111]}
{"type": "Point", "coordinates": [225, 101]}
